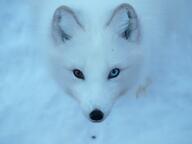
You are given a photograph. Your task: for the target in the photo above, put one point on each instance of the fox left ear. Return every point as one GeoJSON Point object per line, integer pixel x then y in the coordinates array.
{"type": "Point", "coordinates": [64, 24]}
{"type": "Point", "coordinates": [124, 21]}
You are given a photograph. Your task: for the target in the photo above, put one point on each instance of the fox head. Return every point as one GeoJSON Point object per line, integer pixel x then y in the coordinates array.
{"type": "Point", "coordinates": [98, 62]}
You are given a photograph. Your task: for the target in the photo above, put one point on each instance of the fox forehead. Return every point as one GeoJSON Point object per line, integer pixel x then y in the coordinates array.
{"type": "Point", "coordinates": [97, 49]}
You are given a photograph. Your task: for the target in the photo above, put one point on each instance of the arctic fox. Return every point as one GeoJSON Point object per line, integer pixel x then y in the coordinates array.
{"type": "Point", "coordinates": [96, 63]}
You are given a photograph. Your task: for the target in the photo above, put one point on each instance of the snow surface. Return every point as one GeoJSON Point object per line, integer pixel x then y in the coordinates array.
{"type": "Point", "coordinates": [33, 109]}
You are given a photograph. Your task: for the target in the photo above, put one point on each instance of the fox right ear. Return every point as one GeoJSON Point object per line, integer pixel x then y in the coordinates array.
{"type": "Point", "coordinates": [124, 21]}
{"type": "Point", "coordinates": [64, 24]}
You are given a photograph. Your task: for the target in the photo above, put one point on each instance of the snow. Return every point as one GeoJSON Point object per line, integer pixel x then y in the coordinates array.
{"type": "Point", "coordinates": [33, 109]}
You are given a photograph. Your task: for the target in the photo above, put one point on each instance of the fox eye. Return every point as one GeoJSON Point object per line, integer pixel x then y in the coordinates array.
{"type": "Point", "coordinates": [78, 74]}
{"type": "Point", "coordinates": [113, 73]}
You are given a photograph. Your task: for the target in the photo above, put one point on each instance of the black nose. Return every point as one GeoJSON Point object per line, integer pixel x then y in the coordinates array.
{"type": "Point", "coordinates": [96, 115]}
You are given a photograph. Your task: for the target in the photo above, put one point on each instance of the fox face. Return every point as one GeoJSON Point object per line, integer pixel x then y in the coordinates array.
{"type": "Point", "coordinates": [98, 62]}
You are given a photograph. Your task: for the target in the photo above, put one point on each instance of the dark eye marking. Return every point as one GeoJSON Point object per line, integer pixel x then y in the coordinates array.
{"type": "Point", "coordinates": [78, 74]}
{"type": "Point", "coordinates": [114, 73]}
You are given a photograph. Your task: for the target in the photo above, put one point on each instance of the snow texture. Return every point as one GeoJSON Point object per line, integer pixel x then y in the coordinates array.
{"type": "Point", "coordinates": [33, 109]}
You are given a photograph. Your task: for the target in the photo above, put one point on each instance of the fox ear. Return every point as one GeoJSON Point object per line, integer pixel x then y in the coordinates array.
{"type": "Point", "coordinates": [64, 24]}
{"type": "Point", "coordinates": [125, 23]}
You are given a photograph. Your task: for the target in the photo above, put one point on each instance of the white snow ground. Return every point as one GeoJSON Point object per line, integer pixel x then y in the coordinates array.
{"type": "Point", "coordinates": [34, 111]}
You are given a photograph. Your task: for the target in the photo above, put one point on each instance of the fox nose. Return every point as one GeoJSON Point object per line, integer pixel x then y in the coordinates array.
{"type": "Point", "coordinates": [96, 115]}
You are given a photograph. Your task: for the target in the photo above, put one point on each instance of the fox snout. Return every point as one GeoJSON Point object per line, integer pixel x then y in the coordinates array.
{"type": "Point", "coordinates": [96, 111]}
{"type": "Point", "coordinates": [96, 115]}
